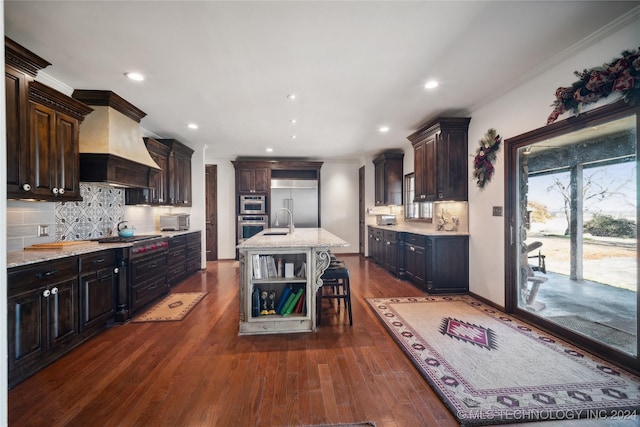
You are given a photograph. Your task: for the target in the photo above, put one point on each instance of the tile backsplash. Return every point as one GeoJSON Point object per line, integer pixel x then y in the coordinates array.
{"type": "Point", "coordinates": [102, 208]}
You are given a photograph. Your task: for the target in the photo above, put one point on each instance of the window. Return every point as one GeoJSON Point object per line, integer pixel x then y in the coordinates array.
{"type": "Point", "coordinates": [415, 211]}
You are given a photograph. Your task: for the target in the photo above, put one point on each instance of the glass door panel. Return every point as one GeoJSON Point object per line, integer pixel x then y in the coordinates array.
{"type": "Point", "coordinates": [573, 232]}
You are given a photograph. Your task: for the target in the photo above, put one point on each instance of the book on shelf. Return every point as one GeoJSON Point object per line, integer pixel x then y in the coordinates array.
{"type": "Point", "coordinates": [300, 304]}
{"type": "Point", "coordinates": [257, 271]}
{"type": "Point", "coordinates": [283, 299]}
{"type": "Point", "coordinates": [290, 298]}
{"type": "Point", "coordinates": [289, 308]}
{"type": "Point", "coordinates": [264, 267]}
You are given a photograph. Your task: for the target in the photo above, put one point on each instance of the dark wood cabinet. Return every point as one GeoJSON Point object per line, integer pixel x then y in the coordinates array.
{"type": "Point", "coordinates": [447, 264]}
{"type": "Point", "coordinates": [253, 179]}
{"type": "Point", "coordinates": [157, 193]}
{"type": "Point", "coordinates": [148, 280]}
{"type": "Point", "coordinates": [388, 178]}
{"type": "Point", "coordinates": [194, 252]}
{"type": "Point", "coordinates": [177, 259]}
{"type": "Point", "coordinates": [441, 160]}
{"type": "Point", "coordinates": [42, 132]}
{"type": "Point", "coordinates": [42, 315]}
{"type": "Point", "coordinates": [178, 177]}
{"type": "Point", "coordinates": [393, 257]}
{"type": "Point", "coordinates": [414, 258]}
{"type": "Point", "coordinates": [98, 289]}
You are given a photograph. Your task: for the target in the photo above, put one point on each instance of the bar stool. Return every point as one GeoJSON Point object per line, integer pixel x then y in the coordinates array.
{"type": "Point", "coordinates": [336, 287]}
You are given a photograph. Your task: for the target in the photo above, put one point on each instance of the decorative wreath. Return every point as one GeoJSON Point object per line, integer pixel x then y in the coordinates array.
{"type": "Point", "coordinates": [485, 156]}
{"type": "Point", "coordinates": [620, 75]}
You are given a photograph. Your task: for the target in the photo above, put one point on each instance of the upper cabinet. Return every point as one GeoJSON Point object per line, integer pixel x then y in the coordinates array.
{"type": "Point", "coordinates": [388, 178]}
{"type": "Point", "coordinates": [42, 132]}
{"type": "Point", "coordinates": [252, 178]}
{"type": "Point", "coordinates": [179, 173]}
{"type": "Point", "coordinates": [440, 160]}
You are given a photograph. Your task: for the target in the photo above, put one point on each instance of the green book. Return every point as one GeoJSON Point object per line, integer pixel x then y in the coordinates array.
{"type": "Point", "coordinates": [288, 303]}
{"type": "Point", "coordinates": [289, 309]}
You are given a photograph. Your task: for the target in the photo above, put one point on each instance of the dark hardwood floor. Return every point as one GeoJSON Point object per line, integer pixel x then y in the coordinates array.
{"type": "Point", "coordinates": [199, 372]}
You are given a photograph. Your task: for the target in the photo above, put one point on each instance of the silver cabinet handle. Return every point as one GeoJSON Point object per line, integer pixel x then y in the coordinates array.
{"type": "Point", "coordinates": [46, 293]}
{"type": "Point", "coordinates": [26, 187]}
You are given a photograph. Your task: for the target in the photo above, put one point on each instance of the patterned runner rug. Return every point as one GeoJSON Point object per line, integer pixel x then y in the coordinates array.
{"type": "Point", "coordinates": [490, 368]}
{"type": "Point", "coordinates": [172, 307]}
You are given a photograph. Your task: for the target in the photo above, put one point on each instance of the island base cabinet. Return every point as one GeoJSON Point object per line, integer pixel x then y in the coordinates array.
{"type": "Point", "coordinates": [447, 264]}
{"type": "Point", "coordinates": [277, 293]}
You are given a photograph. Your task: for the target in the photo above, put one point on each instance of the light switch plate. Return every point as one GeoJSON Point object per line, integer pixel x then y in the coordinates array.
{"type": "Point", "coordinates": [497, 211]}
{"type": "Point", "coordinates": [43, 230]}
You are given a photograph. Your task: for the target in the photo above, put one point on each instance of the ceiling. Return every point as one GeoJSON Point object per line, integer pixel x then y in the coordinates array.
{"type": "Point", "coordinates": [354, 66]}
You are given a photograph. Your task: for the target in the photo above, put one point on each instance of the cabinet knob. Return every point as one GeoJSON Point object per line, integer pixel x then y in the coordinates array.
{"type": "Point", "coordinates": [46, 293]}
{"type": "Point", "coordinates": [411, 248]}
{"type": "Point", "coordinates": [61, 191]}
{"type": "Point", "coordinates": [440, 195]}
{"type": "Point", "coordinates": [116, 270]}
{"type": "Point", "coordinates": [54, 190]}
{"type": "Point", "coordinates": [54, 291]}
{"type": "Point", "coordinates": [26, 187]}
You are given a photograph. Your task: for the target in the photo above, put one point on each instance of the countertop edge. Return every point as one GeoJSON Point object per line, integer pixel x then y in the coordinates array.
{"type": "Point", "coordinates": [418, 230]}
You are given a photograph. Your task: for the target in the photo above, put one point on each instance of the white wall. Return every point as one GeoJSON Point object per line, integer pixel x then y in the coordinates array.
{"type": "Point", "coordinates": [521, 110]}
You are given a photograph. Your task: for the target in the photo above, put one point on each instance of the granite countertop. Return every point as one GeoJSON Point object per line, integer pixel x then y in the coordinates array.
{"type": "Point", "coordinates": [301, 238]}
{"type": "Point", "coordinates": [25, 257]}
{"type": "Point", "coordinates": [419, 229]}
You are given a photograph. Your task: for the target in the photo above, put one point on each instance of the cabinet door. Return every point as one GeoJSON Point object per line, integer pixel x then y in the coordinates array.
{"type": "Point", "coordinates": [452, 166]}
{"type": "Point", "coordinates": [419, 171]}
{"type": "Point", "coordinates": [27, 341]}
{"type": "Point", "coordinates": [415, 263]}
{"type": "Point", "coordinates": [261, 180]}
{"type": "Point", "coordinates": [63, 312]}
{"type": "Point", "coordinates": [42, 149]}
{"type": "Point", "coordinates": [17, 109]}
{"type": "Point", "coordinates": [447, 264]}
{"type": "Point", "coordinates": [98, 293]}
{"type": "Point", "coordinates": [380, 184]}
{"type": "Point", "coordinates": [245, 180]}
{"type": "Point", "coordinates": [182, 183]}
{"type": "Point", "coordinates": [430, 170]}
{"type": "Point", "coordinates": [158, 180]}
{"type": "Point", "coordinates": [67, 163]}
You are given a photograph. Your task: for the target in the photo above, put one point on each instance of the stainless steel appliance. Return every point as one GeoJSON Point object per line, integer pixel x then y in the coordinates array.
{"type": "Point", "coordinates": [386, 220]}
{"type": "Point", "coordinates": [174, 222]}
{"type": "Point", "coordinates": [300, 196]}
{"type": "Point", "coordinates": [250, 225]}
{"type": "Point", "coordinates": [253, 204]}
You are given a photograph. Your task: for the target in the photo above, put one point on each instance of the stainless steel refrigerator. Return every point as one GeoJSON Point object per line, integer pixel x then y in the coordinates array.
{"type": "Point", "coordinates": [300, 196]}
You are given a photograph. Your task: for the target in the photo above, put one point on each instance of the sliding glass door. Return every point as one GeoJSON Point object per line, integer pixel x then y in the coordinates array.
{"type": "Point", "coordinates": [572, 212]}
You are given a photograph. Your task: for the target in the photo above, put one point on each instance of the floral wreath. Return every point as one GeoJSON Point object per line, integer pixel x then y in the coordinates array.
{"type": "Point", "coordinates": [620, 75]}
{"type": "Point", "coordinates": [485, 156]}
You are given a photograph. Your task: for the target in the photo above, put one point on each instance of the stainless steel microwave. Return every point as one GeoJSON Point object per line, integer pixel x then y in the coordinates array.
{"type": "Point", "coordinates": [253, 204]}
{"type": "Point", "coordinates": [174, 222]}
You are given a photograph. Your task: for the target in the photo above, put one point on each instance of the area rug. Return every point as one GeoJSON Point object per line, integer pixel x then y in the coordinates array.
{"type": "Point", "coordinates": [489, 368]}
{"type": "Point", "coordinates": [172, 307]}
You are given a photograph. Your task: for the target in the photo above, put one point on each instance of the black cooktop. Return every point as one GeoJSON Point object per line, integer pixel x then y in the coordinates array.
{"type": "Point", "coordinates": [118, 239]}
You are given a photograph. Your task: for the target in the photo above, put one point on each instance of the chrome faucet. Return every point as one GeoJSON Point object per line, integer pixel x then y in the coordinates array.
{"type": "Point", "coordinates": [291, 227]}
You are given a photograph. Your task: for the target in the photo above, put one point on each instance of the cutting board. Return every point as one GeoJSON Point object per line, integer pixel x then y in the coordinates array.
{"type": "Point", "coordinates": [57, 245]}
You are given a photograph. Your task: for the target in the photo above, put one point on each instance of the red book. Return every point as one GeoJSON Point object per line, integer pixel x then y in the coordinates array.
{"type": "Point", "coordinates": [300, 304]}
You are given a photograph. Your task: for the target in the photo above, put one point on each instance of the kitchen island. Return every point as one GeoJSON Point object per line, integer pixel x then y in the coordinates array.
{"type": "Point", "coordinates": [280, 274]}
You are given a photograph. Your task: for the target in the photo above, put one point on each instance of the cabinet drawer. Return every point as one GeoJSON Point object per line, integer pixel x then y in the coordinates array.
{"type": "Point", "coordinates": [176, 255]}
{"type": "Point", "coordinates": [148, 291]}
{"type": "Point", "coordinates": [175, 272]}
{"type": "Point", "coordinates": [415, 239]}
{"type": "Point", "coordinates": [142, 270]}
{"type": "Point", "coordinates": [97, 261]}
{"type": "Point", "coordinates": [193, 264]}
{"type": "Point", "coordinates": [42, 273]}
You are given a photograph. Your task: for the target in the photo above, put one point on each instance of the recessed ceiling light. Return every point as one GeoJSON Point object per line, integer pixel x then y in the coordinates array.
{"type": "Point", "coordinates": [293, 137]}
{"type": "Point", "coordinates": [269, 150]}
{"type": "Point", "coordinates": [291, 96]}
{"type": "Point", "coordinates": [293, 121]}
{"type": "Point", "coordinates": [192, 126]}
{"type": "Point", "coordinates": [135, 76]}
{"type": "Point", "coordinates": [384, 129]}
{"type": "Point", "coordinates": [431, 84]}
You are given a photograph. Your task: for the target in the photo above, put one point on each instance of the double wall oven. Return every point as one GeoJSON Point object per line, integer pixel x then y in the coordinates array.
{"type": "Point", "coordinates": [252, 217]}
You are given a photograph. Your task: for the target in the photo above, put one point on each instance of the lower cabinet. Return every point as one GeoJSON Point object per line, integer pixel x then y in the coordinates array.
{"type": "Point", "coordinates": [42, 315]}
{"type": "Point", "coordinates": [194, 252]}
{"type": "Point", "coordinates": [436, 263]}
{"type": "Point", "coordinates": [177, 259]}
{"type": "Point", "coordinates": [98, 289]}
{"type": "Point", "coordinates": [447, 264]}
{"type": "Point", "coordinates": [148, 280]}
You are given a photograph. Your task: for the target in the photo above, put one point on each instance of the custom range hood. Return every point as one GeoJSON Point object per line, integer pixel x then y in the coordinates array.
{"type": "Point", "coordinates": [111, 146]}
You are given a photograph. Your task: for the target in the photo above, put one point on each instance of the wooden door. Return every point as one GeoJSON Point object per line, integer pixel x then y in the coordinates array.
{"type": "Point", "coordinates": [211, 214]}
{"type": "Point", "coordinates": [67, 163]}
